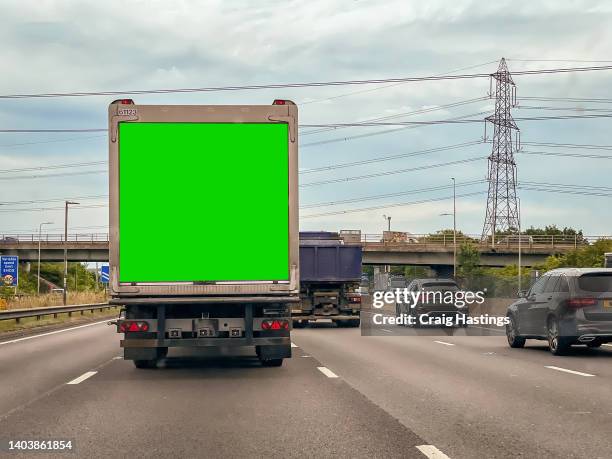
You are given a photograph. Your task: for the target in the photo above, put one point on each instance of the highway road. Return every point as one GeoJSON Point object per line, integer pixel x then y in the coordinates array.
{"type": "Point", "coordinates": [342, 395]}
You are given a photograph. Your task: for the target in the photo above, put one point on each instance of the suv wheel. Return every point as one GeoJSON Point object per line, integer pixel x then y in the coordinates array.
{"type": "Point", "coordinates": [558, 345]}
{"type": "Point", "coordinates": [514, 339]}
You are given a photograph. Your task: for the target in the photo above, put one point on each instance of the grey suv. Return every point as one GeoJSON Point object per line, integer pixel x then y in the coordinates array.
{"type": "Point", "coordinates": [565, 306]}
{"type": "Point", "coordinates": [433, 308]}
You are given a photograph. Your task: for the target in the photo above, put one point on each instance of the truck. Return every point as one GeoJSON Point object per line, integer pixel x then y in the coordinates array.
{"type": "Point", "coordinates": [330, 276]}
{"type": "Point", "coordinates": [203, 213]}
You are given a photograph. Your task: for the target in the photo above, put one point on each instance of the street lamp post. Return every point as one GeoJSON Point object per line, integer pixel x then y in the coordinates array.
{"type": "Point", "coordinates": [388, 218]}
{"type": "Point", "coordinates": [454, 214]}
{"type": "Point", "coordinates": [66, 248]}
{"type": "Point", "coordinates": [39, 237]}
{"type": "Point", "coordinates": [520, 279]}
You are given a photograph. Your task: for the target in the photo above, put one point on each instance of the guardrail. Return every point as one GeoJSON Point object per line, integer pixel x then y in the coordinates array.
{"type": "Point", "coordinates": [75, 237]}
{"type": "Point", "coordinates": [388, 237]}
{"type": "Point", "coordinates": [565, 241]}
{"type": "Point", "coordinates": [18, 314]}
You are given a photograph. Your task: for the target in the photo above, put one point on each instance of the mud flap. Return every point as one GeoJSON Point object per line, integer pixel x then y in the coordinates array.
{"type": "Point", "coordinates": [273, 352]}
{"type": "Point", "coordinates": [140, 353]}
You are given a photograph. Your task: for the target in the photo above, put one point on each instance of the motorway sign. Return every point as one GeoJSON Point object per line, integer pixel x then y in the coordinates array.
{"type": "Point", "coordinates": [9, 270]}
{"type": "Point", "coordinates": [104, 274]}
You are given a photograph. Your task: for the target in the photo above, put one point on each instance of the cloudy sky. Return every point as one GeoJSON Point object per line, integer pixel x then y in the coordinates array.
{"type": "Point", "coordinates": [67, 46]}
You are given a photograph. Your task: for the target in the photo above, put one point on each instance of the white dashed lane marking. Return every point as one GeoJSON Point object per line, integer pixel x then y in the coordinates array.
{"type": "Point", "coordinates": [327, 372]}
{"type": "Point", "coordinates": [444, 342]}
{"type": "Point", "coordinates": [294, 345]}
{"type": "Point", "coordinates": [565, 370]}
{"type": "Point", "coordinates": [82, 378]}
{"type": "Point", "coordinates": [432, 452]}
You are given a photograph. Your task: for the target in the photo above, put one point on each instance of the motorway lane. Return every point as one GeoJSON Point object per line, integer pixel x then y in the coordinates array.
{"type": "Point", "coordinates": [35, 364]}
{"type": "Point", "coordinates": [473, 396]}
{"type": "Point", "coordinates": [192, 406]}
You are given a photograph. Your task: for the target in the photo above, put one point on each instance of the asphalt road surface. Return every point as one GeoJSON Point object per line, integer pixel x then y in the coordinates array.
{"type": "Point", "coordinates": [341, 395]}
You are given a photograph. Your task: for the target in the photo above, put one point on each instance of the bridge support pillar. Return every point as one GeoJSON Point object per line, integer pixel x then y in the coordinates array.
{"type": "Point", "coordinates": [443, 271]}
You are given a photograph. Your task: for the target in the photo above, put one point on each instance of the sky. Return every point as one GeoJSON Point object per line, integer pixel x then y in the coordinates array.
{"type": "Point", "coordinates": [68, 46]}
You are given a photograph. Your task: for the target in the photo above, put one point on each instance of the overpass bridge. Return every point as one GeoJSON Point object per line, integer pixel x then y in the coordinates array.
{"type": "Point", "coordinates": [389, 248]}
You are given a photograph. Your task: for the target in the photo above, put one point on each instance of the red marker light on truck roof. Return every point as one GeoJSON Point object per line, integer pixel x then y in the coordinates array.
{"type": "Point", "coordinates": [123, 101]}
{"type": "Point", "coordinates": [279, 102]}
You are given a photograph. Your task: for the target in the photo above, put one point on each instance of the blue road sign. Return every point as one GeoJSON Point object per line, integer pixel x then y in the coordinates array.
{"type": "Point", "coordinates": [9, 270]}
{"type": "Point", "coordinates": [104, 274]}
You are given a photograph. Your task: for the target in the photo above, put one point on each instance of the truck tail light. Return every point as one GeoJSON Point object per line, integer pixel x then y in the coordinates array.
{"type": "Point", "coordinates": [581, 302]}
{"type": "Point", "coordinates": [356, 299]}
{"type": "Point", "coordinates": [275, 325]}
{"type": "Point", "coordinates": [133, 326]}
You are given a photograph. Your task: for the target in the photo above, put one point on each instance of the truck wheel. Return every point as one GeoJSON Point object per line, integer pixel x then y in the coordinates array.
{"type": "Point", "coordinates": [271, 362]}
{"type": "Point", "coordinates": [145, 363]}
{"type": "Point", "coordinates": [354, 323]}
{"type": "Point", "coordinates": [299, 324]}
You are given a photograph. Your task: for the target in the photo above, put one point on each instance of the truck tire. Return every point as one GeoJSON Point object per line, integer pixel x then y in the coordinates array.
{"type": "Point", "coordinates": [148, 364]}
{"type": "Point", "coordinates": [271, 362]}
{"type": "Point", "coordinates": [299, 323]}
{"type": "Point", "coordinates": [354, 323]}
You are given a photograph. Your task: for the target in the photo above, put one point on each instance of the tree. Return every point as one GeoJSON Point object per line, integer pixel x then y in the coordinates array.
{"type": "Point", "coordinates": [586, 256]}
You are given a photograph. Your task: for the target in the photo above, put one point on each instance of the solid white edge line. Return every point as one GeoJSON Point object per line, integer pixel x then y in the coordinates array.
{"type": "Point", "coordinates": [82, 378]}
{"type": "Point", "coordinates": [294, 345]}
{"type": "Point", "coordinates": [52, 333]}
{"type": "Point", "coordinates": [431, 452]}
{"type": "Point", "coordinates": [565, 370]}
{"type": "Point", "coordinates": [327, 372]}
{"type": "Point", "coordinates": [444, 342]}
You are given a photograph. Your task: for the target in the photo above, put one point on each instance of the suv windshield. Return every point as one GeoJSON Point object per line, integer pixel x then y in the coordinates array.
{"type": "Point", "coordinates": [596, 282]}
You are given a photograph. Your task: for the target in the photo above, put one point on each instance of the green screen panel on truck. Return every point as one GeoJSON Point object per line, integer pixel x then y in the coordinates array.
{"type": "Point", "coordinates": [203, 202]}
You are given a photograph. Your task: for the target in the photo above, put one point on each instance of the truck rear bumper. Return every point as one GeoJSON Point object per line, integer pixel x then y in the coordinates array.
{"type": "Point", "coordinates": [333, 317]}
{"type": "Point", "coordinates": [203, 300]}
{"type": "Point", "coordinates": [206, 342]}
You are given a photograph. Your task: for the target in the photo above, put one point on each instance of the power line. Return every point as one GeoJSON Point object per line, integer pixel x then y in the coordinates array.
{"type": "Point", "coordinates": [65, 174]}
{"type": "Point", "coordinates": [388, 195]}
{"type": "Point", "coordinates": [408, 123]}
{"type": "Point", "coordinates": [398, 171]}
{"type": "Point", "coordinates": [542, 188]}
{"type": "Point", "coordinates": [570, 155]}
{"type": "Point", "coordinates": [300, 85]}
{"type": "Point", "coordinates": [52, 141]}
{"type": "Point", "coordinates": [40, 201]}
{"type": "Point", "coordinates": [388, 158]}
{"type": "Point", "coordinates": [387, 86]}
{"type": "Point", "coordinates": [566, 99]}
{"type": "Point", "coordinates": [401, 204]}
{"type": "Point", "coordinates": [387, 131]}
{"type": "Point", "coordinates": [41, 209]}
{"type": "Point", "coordinates": [566, 145]}
{"type": "Point", "coordinates": [359, 124]}
{"type": "Point", "coordinates": [399, 115]}
{"type": "Point", "coordinates": [56, 166]}
{"type": "Point", "coordinates": [582, 109]}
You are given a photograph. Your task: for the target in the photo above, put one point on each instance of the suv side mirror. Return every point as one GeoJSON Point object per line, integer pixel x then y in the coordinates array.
{"type": "Point", "coordinates": [522, 294]}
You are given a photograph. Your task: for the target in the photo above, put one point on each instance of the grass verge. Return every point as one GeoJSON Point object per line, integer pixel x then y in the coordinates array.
{"type": "Point", "coordinates": [49, 321]}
